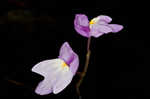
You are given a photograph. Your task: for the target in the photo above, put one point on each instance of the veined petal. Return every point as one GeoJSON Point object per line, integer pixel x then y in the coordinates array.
{"type": "Point", "coordinates": [82, 20]}
{"type": "Point", "coordinates": [66, 53]}
{"type": "Point", "coordinates": [116, 27]}
{"type": "Point", "coordinates": [81, 24]}
{"type": "Point", "coordinates": [69, 56]}
{"type": "Point", "coordinates": [98, 30]}
{"type": "Point", "coordinates": [63, 81]}
{"type": "Point", "coordinates": [74, 64]}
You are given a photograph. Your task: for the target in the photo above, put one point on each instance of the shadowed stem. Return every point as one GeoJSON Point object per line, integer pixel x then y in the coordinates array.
{"type": "Point", "coordinates": [82, 74]}
{"type": "Point", "coordinates": [15, 82]}
{"type": "Point", "coordinates": [18, 83]}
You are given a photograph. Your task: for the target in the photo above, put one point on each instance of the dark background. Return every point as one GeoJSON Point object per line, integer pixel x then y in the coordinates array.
{"type": "Point", "coordinates": [32, 31]}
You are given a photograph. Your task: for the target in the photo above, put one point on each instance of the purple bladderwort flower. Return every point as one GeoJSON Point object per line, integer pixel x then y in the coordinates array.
{"type": "Point", "coordinates": [57, 73]}
{"type": "Point", "coordinates": [96, 27]}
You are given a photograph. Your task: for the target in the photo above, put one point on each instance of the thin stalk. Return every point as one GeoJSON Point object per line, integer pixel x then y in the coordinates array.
{"type": "Point", "coordinates": [82, 74]}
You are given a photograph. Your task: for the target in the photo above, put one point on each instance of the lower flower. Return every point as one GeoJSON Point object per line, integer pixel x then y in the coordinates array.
{"type": "Point", "coordinates": [58, 73]}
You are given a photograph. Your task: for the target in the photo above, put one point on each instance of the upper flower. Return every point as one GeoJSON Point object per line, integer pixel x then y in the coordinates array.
{"type": "Point", "coordinates": [58, 73]}
{"type": "Point", "coordinates": [96, 27]}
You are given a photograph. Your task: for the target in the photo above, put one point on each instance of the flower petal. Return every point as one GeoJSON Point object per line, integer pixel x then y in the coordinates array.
{"type": "Point", "coordinates": [50, 69]}
{"type": "Point", "coordinates": [98, 30]}
{"type": "Point", "coordinates": [44, 87]}
{"type": "Point", "coordinates": [102, 19]}
{"type": "Point", "coordinates": [81, 24]}
{"type": "Point", "coordinates": [116, 27]}
{"type": "Point", "coordinates": [66, 53]}
{"type": "Point", "coordinates": [82, 19]}
{"type": "Point", "coordinates": [74, 64]}
{"type": "Point", "coordinates": [62, 82]}
{"type": "Point", "coordinates": [69, 56]}
{"type": "Point", "coordinates": [47, 67]}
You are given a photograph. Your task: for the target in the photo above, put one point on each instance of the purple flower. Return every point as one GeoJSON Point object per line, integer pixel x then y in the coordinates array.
{"type": "Point", "coordinates": [96, 27]}
{"type": "Point", "coordinates": [58, 73]}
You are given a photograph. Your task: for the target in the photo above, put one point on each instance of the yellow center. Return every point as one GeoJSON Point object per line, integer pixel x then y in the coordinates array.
{"type": "Point", "coordinates": [64, 65]}
{"type": "Point", "coordinates": [94, 20]}
{"type": "Point", "coordinates": [91, 22]}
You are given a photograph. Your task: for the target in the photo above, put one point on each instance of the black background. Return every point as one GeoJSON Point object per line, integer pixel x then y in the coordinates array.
{"type": "Point", "coordinates": [118, 67]}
